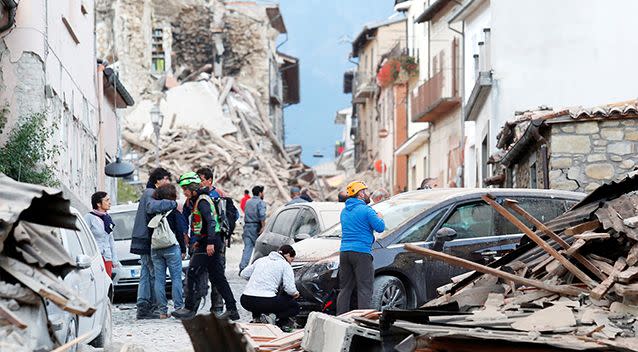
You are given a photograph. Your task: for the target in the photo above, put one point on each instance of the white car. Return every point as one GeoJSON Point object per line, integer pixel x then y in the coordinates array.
{"type": "Point", "coordinates": [294, 223]}
{"type": "Point", "coordinates": [127, 276]}
{"type": "Point", "coordinates": [90, 281]}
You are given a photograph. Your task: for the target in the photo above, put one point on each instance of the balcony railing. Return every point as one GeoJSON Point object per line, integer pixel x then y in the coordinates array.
{"type": "Point", "coordinates": [435, 97]}
{"type": "Point", "coordinates": [364, 86]}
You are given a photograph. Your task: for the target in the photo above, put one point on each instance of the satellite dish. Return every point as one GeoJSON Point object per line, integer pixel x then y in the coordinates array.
{"type": "Point", "coordinates": [119, 168]}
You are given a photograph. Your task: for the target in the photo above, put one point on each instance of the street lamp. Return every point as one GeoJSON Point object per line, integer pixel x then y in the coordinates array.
{"type": "Point", "coordinates": [157, 119]}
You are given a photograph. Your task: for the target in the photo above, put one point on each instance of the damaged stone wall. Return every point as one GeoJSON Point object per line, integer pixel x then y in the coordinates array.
{"type": "Point", "coordinates": [585, 155]}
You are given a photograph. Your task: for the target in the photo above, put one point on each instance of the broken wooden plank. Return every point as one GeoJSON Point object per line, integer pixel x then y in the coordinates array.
{"type": "Point", "coordinates": [539, 225]}
{"type": "Point", "coordinates": [489, 199]}
{"type": "Point", "coordinates": [584, 227]}
{"type": "Point", "coordinates": [632, 257]}
{"type": "Point", "coordinates": [564, 289]}
{"type": "Point", "coordinates": [628, 275]}
{"type": "Point", "coordinates": [69, 345]}
{"type": "Point", "coordinates": [576, 246]}
{"type": "Point", "coordinates": [599, 291]}
{"type": "Point", "coordinates": [7, 314]}
{"type": "Point", "coordinates": [588, 236]}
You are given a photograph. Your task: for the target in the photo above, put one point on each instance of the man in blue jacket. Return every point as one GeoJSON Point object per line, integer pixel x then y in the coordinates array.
{"type": "Point", "coordinates": [141, 240]}
{"type": "Point", "coordinates": [358, 222]}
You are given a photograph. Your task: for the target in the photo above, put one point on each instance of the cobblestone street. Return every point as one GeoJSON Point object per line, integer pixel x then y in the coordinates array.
{"type": "Point", "coordinates": [169, 334]}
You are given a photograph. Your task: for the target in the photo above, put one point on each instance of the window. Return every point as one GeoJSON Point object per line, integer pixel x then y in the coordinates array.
{"type": "Point", "coordinates": [123, 225]}
{"type": "Point", "coordinates": [157, 51]}
{"type": "Point", "coordinates": [420, 231]}
{"type": "Point", "coordinates": [73, 243]}
{"type": "Point", "coordinates": [543, 209]}
{"type": "Point", "coordinates": [284, 221]}
{"type": "Point", "coordinates": [484, 158]}
{"type": "Point", "coordinates": [306, 224]}
{"type": "Point", "coordinates": [472, 220]}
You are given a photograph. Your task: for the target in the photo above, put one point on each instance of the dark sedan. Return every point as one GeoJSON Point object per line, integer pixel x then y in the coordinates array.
{"type": "Point", "coordinates": [407, 280]}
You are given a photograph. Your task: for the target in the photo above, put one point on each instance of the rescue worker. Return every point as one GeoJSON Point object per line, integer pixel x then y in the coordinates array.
{"type": "Point", "coordinates": [358, 222]}
{"type": "Point", "coordinates": [254, 223]}
{"type": "Point", "coordinates": [205, 230]}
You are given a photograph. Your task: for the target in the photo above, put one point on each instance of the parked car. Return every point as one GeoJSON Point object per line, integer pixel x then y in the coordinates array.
{"type": "Point", "coordinates": [90, 281]}
{"type": "Point", "coordinates": [407, 280]}
{"type": "Point", "coordinates": [294, 223]}
{"type": "Point", "coordinates": [127, 276]}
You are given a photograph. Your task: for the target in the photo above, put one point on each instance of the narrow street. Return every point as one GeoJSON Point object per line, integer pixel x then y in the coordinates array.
{"type": "Point", "coordinates": [169, 334]}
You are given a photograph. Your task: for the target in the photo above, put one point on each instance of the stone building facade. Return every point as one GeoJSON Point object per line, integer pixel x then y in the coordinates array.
{"type": "Point", "coordinates": [573, 149]}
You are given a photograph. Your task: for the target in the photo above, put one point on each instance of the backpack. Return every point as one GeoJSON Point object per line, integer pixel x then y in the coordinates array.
{"type": "Point", "coordinates": [228, 215]}
{"type": "Point", "coordinates": [163, 236]}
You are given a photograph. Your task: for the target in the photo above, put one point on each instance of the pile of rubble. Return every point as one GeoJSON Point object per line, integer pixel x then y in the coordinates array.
{"type": "Point", "coordinates": [574, 286]}
{"type": "Point", "coordinates": [32, 262]}
{"type": "Point", "coordinates": [218, 124]}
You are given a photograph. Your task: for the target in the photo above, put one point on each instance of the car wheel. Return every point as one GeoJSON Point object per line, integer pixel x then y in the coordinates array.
{"type": "Point", "coordinates": [72, 333]}
{"type": "Point", "coordinates": [389, 292]}
{"type": "Point", "coordinates": [104, 338]}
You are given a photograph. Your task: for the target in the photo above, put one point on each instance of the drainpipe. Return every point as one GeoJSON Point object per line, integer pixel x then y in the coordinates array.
{"type": "Point", "coordinates": [461, 93]}
{"type": "Point", "coordinates": [12, 8]}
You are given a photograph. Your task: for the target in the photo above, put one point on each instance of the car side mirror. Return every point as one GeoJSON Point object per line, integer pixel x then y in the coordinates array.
{"type": "Point", "coordinates": [83, 261]}
{"type": "Point", "coordinates": [301, 237]}
{"type": "Point", "coordinates": [443, 235]}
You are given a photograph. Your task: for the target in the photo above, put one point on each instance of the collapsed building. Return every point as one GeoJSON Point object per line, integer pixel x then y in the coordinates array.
{"type": "Point", "coordinates": [211, 74]}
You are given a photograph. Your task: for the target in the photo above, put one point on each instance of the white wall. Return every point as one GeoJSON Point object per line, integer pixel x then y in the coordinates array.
{"type": "Point", "coordinates": [474, 25]}
{"type": "Point", "coordinates": [562, 53]}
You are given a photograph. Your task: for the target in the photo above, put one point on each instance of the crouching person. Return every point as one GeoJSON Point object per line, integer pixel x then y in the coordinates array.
{"type": "Point", "coordinates": [265, 276]}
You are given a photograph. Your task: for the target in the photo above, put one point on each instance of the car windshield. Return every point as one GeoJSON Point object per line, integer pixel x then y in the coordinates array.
{"type": "Point", "coordinates": [123, 224]}
{"type": "Point", "coordinates": [394, 214]}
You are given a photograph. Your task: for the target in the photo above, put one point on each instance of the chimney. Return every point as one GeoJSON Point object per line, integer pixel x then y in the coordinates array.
{"type": "Point", "coordinates": [487, 33]}
{"type": "Point", "coordinates": [476, 65]}
{"type": "Point", "coordinates": [481, 46]}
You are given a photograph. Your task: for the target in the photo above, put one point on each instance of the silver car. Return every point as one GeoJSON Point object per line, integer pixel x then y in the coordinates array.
{"type": "Point", "coordinates": [126, 277]}
{"type": "Point", "coordinates": [90, 281]}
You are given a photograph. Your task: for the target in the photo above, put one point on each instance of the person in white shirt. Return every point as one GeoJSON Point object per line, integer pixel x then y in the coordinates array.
{"type": "Point", "coordinates": [262, 294]}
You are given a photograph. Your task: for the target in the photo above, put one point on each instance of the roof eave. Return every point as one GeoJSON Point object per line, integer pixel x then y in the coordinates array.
{"type": "Point", "coordinates": [431, 11]}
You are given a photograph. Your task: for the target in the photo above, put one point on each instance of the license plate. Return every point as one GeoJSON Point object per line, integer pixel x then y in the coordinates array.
{"type": "Point", "coordinates": [135, 273]}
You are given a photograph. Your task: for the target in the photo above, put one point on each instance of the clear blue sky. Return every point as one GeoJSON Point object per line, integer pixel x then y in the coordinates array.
{"type": "Point", "coordinates": [316, 33]}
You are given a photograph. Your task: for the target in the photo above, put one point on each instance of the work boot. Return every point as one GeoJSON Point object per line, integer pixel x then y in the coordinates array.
{"type": "Point", "coordinates": [183, 314]}
{"type": "Point", "coordinates": [144, 312]}
{"type": "Point", "coordinates": [229, 315]}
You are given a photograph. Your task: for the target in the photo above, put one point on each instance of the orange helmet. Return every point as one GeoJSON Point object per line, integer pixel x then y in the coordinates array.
{"type": "Point", "coordinates": [354, 187]}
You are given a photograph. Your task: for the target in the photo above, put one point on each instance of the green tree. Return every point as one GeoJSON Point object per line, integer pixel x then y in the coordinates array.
{"type": "Point", "coordinates": [28, 155]}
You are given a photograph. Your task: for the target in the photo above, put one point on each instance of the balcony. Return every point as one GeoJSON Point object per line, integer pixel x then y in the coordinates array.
{"type": "Point", "coordinates": [436, 97]}
{"type": "Point", "coordinates": [364, 85]}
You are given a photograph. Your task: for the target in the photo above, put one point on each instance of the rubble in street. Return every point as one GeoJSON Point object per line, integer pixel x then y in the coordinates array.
{"type": "Point", "coordinates": [574, 286]}
{"type": "Point", "coordinates": [32, 260]}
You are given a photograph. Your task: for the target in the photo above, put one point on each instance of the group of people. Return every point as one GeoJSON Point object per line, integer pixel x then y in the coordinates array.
{"type": "Point", "coordinates": [165, 232]}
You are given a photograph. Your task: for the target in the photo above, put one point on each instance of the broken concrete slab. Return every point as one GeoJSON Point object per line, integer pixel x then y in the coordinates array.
{"type": "Point", "coordinates": [324, 333]}
{"type": "Point", "coordinates": [548, 319]}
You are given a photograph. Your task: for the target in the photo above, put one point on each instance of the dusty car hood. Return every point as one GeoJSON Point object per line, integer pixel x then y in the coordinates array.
{"type": "Point", "coordinates": [314, 249]}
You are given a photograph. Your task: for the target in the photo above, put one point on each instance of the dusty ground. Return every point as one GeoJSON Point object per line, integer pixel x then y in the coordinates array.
{"type": "Point", "coordinates": [169, 334]}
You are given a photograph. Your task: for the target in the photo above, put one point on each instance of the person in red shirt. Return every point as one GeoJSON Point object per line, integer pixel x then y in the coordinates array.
{"type": "Point", "coordinates": [242, 205]}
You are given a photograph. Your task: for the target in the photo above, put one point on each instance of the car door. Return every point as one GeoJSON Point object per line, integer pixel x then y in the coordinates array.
{"type": "Point", "coordinates": [96, 290]}
{"type": "Point", "coordinates": [306, 223]}
{"type": "Point", "coordinates": [416, 267]}
{"type": "Point", "coordinates": [277, 234]}
{"type": "Point", "coordinates": [81, 280]}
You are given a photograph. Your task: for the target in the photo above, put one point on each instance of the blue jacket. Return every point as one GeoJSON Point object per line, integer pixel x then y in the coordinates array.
{"type": "Point", "coordinates": [358, 221]}
{"type": "Point", "coordinates": [148, 206]}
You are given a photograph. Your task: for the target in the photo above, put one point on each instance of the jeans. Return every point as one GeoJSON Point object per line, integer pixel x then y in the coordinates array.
{"type": "Point", "coordinates": [145, 295]}
{"type": "Point", "coordinates": [251, 232]}
{"type": "Point", "coordinates": [355, 270]}
{"type": "Point", "coordinates": [283, 306]}
{"type": "Point", "coordinates": [199, 262]}
{"type": "Point", "coordinates": [170, 258]}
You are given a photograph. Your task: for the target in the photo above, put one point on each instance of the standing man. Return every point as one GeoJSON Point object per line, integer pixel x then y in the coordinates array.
{"type": "Point", "coordinates": [254, 224]}
{"type": "Point", "coordinates": [141, 240]}
{"type": "Point", "coordinates": [242, 204]}
{"type": "Point", "coordinates": [101, 226]}
{"type": "Point", "coordinates": [358, 222]}
{"type": "Point", "coordinates": [206, 250]}
{"type": "Point", "coordinates": [295, 196]}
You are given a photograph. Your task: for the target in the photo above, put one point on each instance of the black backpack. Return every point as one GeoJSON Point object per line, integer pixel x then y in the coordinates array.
{"type": "Point", "coordinates": [228, 216]}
